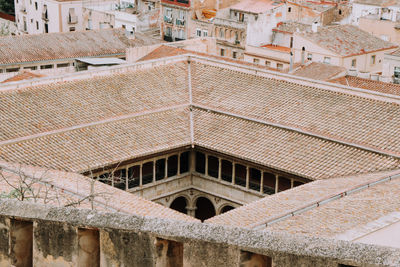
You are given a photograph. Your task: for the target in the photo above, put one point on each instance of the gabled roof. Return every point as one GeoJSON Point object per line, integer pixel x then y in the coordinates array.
{"type": "Point", "coordinates": [315, 208]}
{"type": "Point", "coordinates": [291, 27]}
{"type": "Point", "coordinates": [344, 40]}
{"type": "Point", "coordinates": [300, 127]}
{"type": "Point", "coordinates": [24, 75]}
{"type": "Point", "coordinates": [378, 86]}
{"type": "Point", "coordinates": [50, 46]}
{"type": "Point", "coordinates": [319, 71]}
{"type": "Point", "coordinates": [256, 6]}
{"type": "Point", "coordinates": [58, 188]}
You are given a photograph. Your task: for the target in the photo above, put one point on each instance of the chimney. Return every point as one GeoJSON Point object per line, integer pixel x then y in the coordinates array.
{"type": "Point", "coordinates": [314, 26]}
{"type": "Point", "coordinates": [303, 55]}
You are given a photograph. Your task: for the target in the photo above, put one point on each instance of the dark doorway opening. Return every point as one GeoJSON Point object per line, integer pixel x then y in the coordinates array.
{"type": "Point", "coordinates": [204, 209]}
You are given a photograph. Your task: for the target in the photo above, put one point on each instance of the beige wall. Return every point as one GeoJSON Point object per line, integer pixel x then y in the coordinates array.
{"type": "Point", "coordinates": [384, 29]}
{"type": "Point", "coordinates": [363, 62]}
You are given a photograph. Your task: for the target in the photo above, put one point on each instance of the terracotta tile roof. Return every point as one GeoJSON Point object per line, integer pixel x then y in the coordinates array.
{"type": "Point", "coordinates": [39, 47]}
{"type": "Point", "coordinates": [277, 47]}
{"type": "Point", "coordinates": [93, 122]}
{"type": "Point", "coordinates": [291, 27]}
{"type": "Point", "coordinates": [170, 51]}
{"type": "Point", "coordinates": [281, 149]}
{"type": "Point", "coordinates": [344, 40]}
{"type": "Point", "coordinates": [395, 53]}
{"type": "Point", "coordinates": [7, 16]}
{"type": "Point", "coordinates": [347, 213]}
{"type": "Point", "coordinates": [259, 212]}
{"type": "Point", "coordinates": [256, 6]}
{"type": "Point", "coordinates": [100, 145]}
{"type": "Point", "coordinates": [382, 87]}
{"type": "Point", "coordinates": [67, 104]}
{"type": "Point", "coordinates": [319, 71]}
{"type": "Point", "coordinates": [60, 188]}
{"type": "Point", "coordinates": [342, 116]}
{"type": "Point", "coordinates": [25, 75]}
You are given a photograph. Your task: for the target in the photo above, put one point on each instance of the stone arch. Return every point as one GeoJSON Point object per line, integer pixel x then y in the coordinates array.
{"type": "Point", "coordinates": [180, 204]}
{"type": "Point", "coordinates": [205, 208]}
{"type": "Point", "coordinates": [225, 208]}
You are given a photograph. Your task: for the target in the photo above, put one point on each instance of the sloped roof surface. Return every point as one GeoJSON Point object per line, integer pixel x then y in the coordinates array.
{"type": "Point", "coordinates": [344, 40]}
{"type": "Point", "coordinates": [378, 86]}
{"type": "Point", "coordinates": [318, 71]}
{"type": "Point", "coordinates": [60, 188]}
{"type": "Point", "coordinates": [300, 129]}
{"type": "Point", "coordinates": [39, 47]}
{"type": "Point", "coordinates": [268, 209]}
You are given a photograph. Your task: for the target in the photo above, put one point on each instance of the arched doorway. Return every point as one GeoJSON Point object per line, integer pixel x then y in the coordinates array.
{"type": "Point", "coordinates": [204, 209]}
{"type": "Point", "coordinates": [179, 204]}
{"type": "Point", "coordinates": [226, 208]}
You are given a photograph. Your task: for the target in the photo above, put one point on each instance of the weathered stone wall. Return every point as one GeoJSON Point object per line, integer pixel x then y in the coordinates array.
{"type": "Point", "coordinates": [32, 234]}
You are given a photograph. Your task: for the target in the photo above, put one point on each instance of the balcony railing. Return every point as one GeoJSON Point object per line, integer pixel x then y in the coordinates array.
{"type": "Point", "coordinates": [168, 19]}
{"type": "Point", "coordinates": [180, 22]}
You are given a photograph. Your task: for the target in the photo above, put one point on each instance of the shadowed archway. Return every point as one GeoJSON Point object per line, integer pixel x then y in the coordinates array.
{"type": "Point", "coordinates": [204, 209]}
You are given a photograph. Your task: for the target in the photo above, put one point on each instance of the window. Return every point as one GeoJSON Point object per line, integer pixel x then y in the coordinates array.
{"type": "Point", "coordinates": [234, 54]}
{"type": "Point", "coordinates": [205, 33]}
{"type": "Point", "coordinates": [283, 183]}
{"type": "Point", "coordinates": [37, 25]}
{"type": "Point", "coordinates": [46, 28]}
{"type": "Point", "coordinates": [133, 176]}
{"type": "Point", "coordinates": [12, 70]}
{"type": "Point", "coordinates": [254, 179]}
{"type": "Point", "coordinates": [396, 72]}
{"type": "Point", "coordinates": [222, 52]}
{"type": "Point", "coordinates": [385, 38]}
{"type": "Point", "coordinates": [291, 42]}
{"type": "Point", "coordinates": [172, 166]}
{"type": "Point", "coordinates": [256, 61]}
{"type": "Point", "coordinates": [36, 5]}
{"type": "Point", "coordinates": [168, 12]}
{"type": "Point", "coordinates": [62, 65]}
{"type": "Point", "coordinates": [221, 33]}
{"type": "Point", "coordinates": [327, 60]}
{"type": "Point", "coordinates": [340, 12]}
{"type": "Point", "coordinates": [198, 33]}
{"type": "Point", "coordinates": [279, 66]}
{"type": "Point", "coordinates": [46, 67]}
{"type": "Point", "coordinates": [119, 179]}
{"type": "Point", "coordinates": [200, 163]}
{"type": "Point", "coordinates": [241, 17]}
{"type": "Point", "coordinates": [160, 169]}
{"type": "Point", "coordinates": [373, 57]}
{"type": "Point", "coordinates": [268, 63]}
{"type": "Point", "coordinates": [213, 166]}
{"type": "Point", "coordinates": [354, 63]}
{"type": "Point", "coordinates": [31, 20]}
{"type": "Point", "coordinates": [184, 162]}
{"type": "Point", "coordinates": [309, 56]}
{"type": "Point", "coordinates": [269, 183]}
{"type": "Point", "coordinates": [147, 172]}
{"type": "Point", "coordinates": [240, 174]}
{"type": "Point", "coordinates": [31, 67]}
{"type": "Point", "coordinates": [226, 170]}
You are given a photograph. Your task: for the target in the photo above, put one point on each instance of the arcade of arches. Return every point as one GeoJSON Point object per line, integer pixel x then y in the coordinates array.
{"type": "Point", "coordinates": [197, 182]}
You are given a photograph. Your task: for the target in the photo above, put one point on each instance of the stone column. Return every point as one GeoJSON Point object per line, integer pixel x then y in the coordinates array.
{"type": "Point", "coordinates": [166, 168]}
{"type": "Point", "coordinates": [192, 160]}
{"type": "Point", "coordinates": [154, 171]}
{"type": "Point", "coordinates": [233, 173]}
{"type": "Point", "coordinates": [247, 177]}
{"type": "Point", "coordinates": [206, 166]}
{"type": "Point", "coordinates": [219, 169]}
{"type": "Point", "coordinates": [276, 183]}
{"type": "Point", "coordinates": [179, 164]}
{"type": "Point", "coordinates": [262, 183]}
{"type": "Point", "coordinates": [140, 176]}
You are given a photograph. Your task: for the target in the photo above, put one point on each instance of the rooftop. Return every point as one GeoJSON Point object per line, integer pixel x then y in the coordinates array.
{"type": "Point", "coordinates": [24, 75]}
{"type": "Point", "coordinates": [291, 27]}
{"type": "Point", "coordinates": [378, 86]}
{"type": "Point", "coordinates": [319, 71]}
{"type": "Point", "coordinates": [306, 209]}
{"type": "Point", "coordinates": [344, 40]}
{"type": "Point", "coordinates": [58, 188]}
{"type": "Point", "coordinates": [256, 6]}
{"type": "Point", "coordinates": [41, 47]}
{"type": "Point", "coordinates": [286, 123]}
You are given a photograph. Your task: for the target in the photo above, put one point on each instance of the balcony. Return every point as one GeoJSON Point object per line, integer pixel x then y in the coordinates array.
{"type": "Point", "coordinates": [180, 22]}
{"type": "Point", "coordinates": [230, 23]}
{"type": "Point", "coordinates": [168, 19]}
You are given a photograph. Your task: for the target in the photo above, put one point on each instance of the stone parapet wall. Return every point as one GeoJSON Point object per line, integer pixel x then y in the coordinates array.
{"type": "Point", "coordinates": [44, 236]}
